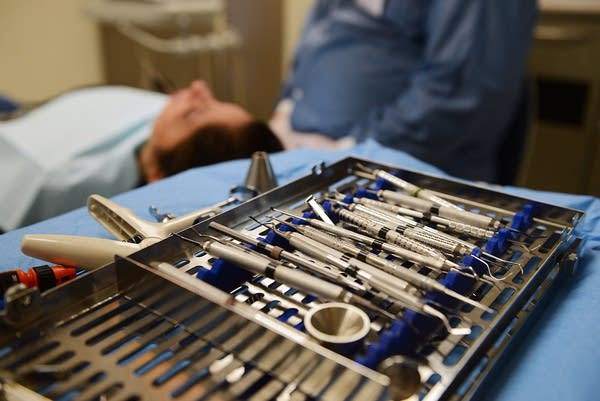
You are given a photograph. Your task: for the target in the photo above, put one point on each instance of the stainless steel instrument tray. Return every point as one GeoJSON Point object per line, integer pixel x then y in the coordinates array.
{"type": "Point", "coordinates": [451, 367]}
{"type": "Point", "coordinates": [124, 332]}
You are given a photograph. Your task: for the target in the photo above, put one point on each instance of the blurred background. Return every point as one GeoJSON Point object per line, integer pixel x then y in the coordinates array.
{"type": "Point", "coordinates": [242, 49]}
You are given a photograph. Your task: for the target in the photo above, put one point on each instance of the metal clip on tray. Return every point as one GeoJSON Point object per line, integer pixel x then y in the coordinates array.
{"type": "Point", "coordinates": [181, 320]}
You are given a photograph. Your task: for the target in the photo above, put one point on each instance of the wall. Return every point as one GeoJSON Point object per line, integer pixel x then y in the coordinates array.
{"type": "Point", "coordinates": [260, 25]}
{"type": "Point", "coordinates": [294, 13]}
{"type": "Point", "coordinates": [46, 47]}
{"type": "Point", "coordinates": [564, 154]}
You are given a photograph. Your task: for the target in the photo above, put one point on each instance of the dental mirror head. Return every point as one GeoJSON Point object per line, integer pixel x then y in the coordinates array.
{"type": "Point", "coordinates": [405, 379]}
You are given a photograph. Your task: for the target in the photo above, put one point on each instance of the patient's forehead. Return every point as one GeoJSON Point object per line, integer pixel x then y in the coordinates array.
{"type": "Point", "coordinates": [228, 114]}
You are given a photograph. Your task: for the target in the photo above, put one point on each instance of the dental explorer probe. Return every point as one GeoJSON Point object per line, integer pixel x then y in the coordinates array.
{"type": "Point", "coordinates": [406, 186]}
{"type": "Point", "coordinates": [437, 261]}
{"type": "Point", "coordinates": [410, 228]}
{"type": "Point", "coordinates": [406, 236]}
{"type": "Point", "coordinates": [279, 253]}
{"type": "Point", "coordinates": [374, 277]}
{"type": "Point", "coordinates": [425, 250]}
{"type": "Point", "coordinates": [394, 237]}
{"type": "Point", "coordinates": [427, 235]}
{"type": "Point", "coordinates": [259, 264]}
{"type": "Point", "coordinates": [412, 277]}
{"type": "Point", "coordinates": [377, 278]}
{"type": "Point", "coordinates": [453, 225]}
{"type": "Point", "coordinates": [423, 205]}
{"type": "Point", "coordinates": [431, 234]}
{"type": "Point", "coordinates": [354, 213]}
{"type": "Point", "coordinates": [380, 230]}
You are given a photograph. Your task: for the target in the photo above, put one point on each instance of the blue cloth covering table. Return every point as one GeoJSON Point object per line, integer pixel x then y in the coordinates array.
{"type": "Point", "coordinates": [558, 359]}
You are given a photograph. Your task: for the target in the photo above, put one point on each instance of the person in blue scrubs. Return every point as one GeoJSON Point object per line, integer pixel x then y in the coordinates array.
{"type": "Point", "coordinates": [443, 80]}
{"type": "Point", "coordinates": [440, 79]}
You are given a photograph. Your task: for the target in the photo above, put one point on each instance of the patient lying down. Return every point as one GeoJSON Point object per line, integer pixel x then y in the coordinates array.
{"type": "Point", "coordinates": [195, 129]}
{"type": "Point", "coordinates": [110, 139]}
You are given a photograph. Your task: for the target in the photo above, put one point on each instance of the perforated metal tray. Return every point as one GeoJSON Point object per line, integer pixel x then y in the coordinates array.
{"type": "Point", "coordinates": [127, 333]}
{"type": "Point", "coordinates": [451, 367]}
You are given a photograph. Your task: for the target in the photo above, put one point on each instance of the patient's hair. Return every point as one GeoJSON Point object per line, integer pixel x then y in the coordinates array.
{"type": "Point", "coordinates": [215, 144]}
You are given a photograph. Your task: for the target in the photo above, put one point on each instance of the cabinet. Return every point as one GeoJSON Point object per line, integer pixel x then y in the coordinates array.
{"type": "Point", "coordinates": [564, 149]}
{"type": "Point", "coordinates": [248, 73]}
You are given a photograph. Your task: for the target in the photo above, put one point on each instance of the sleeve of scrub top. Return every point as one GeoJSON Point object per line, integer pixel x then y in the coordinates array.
{"type": "Point", "coordinates": [444, 90]}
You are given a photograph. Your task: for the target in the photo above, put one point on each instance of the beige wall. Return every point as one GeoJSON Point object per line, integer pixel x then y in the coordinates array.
{"type": "Point", "coordinates": [294, 13]}
{"type": "Point", "coordinates": [46, 47]}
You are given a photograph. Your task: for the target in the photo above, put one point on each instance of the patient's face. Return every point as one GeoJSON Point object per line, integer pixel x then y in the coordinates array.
{"type": "Point", "coordinates": [188, 111]}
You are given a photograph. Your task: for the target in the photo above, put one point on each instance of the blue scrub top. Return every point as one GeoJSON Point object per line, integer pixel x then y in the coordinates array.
{"type": "Point", "coordinates": [439, 79]}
